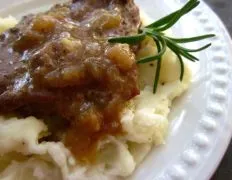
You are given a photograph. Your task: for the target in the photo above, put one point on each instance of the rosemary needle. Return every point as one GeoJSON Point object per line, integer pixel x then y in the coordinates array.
{"type": "Point", "coordinates": [155, 30]}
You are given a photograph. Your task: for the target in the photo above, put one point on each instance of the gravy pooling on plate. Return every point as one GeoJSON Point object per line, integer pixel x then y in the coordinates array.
{"type": "Point", "coordinates": [59, 63]}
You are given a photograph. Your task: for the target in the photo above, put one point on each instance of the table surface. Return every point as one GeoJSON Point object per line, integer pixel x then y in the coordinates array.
{"type": "Point", "coordinates": [224, 9]}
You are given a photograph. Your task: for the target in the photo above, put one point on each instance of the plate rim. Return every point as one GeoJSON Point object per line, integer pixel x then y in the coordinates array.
{"type": "Point", "coordinates": [228, 133]}
{"type": "Point", "coordinates": [188, 160]}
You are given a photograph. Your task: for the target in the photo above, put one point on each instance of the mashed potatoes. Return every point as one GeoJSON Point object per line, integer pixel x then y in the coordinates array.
{"type": "Point", "coordinates": [6, 23]}
{"type": "Point", "coordinates": [145, 121]}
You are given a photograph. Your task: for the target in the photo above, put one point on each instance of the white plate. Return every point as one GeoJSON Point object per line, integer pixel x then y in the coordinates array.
{"type": "Point", "coordinates": [200, 120]}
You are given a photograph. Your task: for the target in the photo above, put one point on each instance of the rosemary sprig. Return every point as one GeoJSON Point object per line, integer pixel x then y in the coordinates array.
{"type": "Point", "coordinates": [162, 41]}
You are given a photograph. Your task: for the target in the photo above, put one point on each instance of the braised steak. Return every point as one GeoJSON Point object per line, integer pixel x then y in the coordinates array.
{"type": "Point", "coordinates": [59, 63]}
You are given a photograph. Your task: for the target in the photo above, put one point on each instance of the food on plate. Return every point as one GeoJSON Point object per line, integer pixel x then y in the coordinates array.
{"type": "Point", "coordinates": [61, 65]}
{"type": "Point", "coordinates": [86, 88]}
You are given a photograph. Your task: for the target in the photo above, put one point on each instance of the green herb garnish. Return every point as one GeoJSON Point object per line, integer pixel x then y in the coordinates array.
{"type": "Point", "coordinates": [155, 30]}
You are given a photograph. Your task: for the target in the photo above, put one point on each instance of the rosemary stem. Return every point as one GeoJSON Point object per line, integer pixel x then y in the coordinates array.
{"type": "Point", "coordinates": [156, 32]}
{"type": "Point", "coordinates": [158, 67]}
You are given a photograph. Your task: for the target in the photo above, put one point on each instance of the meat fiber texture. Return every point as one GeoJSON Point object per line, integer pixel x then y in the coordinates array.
{"type": "Point", "coordinates": [145, 121]}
